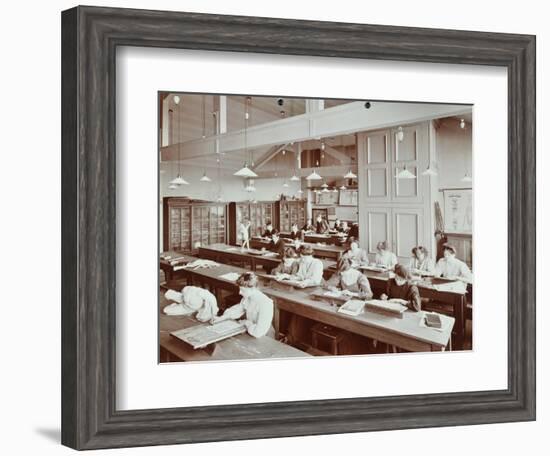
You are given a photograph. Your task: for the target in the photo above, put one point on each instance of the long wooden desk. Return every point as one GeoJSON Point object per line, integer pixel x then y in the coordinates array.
{"type": "Point", "coordinates": [333, 252]}
{"type": "Point", "coordinates": [225, 253]}
{"type": "Point", "coordinates": [170, 267]}
{"type": "Point", "coordinates": [314, 238]}
{"type": "Point", "coordinates": [242, 346]}
{"type": "Point", "coordinates": [379, 280]}
{"type": "Point", "coordinates": [405, 333]}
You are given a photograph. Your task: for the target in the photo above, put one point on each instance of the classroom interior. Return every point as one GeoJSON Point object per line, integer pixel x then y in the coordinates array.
{"type": "Point", "coordinates": [249, 182]}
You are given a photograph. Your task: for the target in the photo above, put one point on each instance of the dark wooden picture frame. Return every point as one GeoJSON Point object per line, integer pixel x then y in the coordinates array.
{"type": "Point", "coordinates": [90, 37]}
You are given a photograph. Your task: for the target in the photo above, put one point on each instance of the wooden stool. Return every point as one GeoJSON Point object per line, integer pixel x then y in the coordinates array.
{"type": "Point", "coordinates": [327, 340]}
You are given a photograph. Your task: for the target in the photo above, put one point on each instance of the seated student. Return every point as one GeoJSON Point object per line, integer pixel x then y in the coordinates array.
{"type": "Point", "coordinates": [268, 230]}
{"type": "Point", "coordinates": [192, 299]}
{"type": "Point", "coordinates": [385, 257]}
{"type": "Point", "coordinates": [256, 306]}
{"type": "Point", "coordinates": [451, 267]}
{"type": "Point", "coordinates": [310, 269]}
{"type": "Point", "coordinates": [400, 287]}
{"type": "Point", "coordinates": [421, 263]}
{"type": "Point", "coordinates": [336, 225]}
{"type": "Point", "coordinates": [289, 263]}
{"type": "Point", "coordinates": [356, 254]}
{"type": "Point", "coordinates": [276, 244]}
{"type": "Point", "coordinates": [347, 278]}
{"type": "Point", "coordinates": [354, 230]}
{"type": "Point", "coordinates": [296, 233]}
{"type": "Point", "coordinates": [321, 225]}
{"type": "Point", "coordinates": [344, 228]}
{"type": "Point", "coordinates": [308, 227]}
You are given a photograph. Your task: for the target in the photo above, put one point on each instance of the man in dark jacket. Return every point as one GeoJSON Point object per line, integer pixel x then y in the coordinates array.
{"type": "Point", "coordinates": [277, 245]}
{"type": "Point", "coordinates": [321, 226]}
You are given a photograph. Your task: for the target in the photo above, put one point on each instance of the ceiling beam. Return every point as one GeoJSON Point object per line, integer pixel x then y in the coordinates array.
{"type": "Point", "coordinates": [343, 119]}
{"type": "Point", "coordinates": [325, 171]}
{"type": "Point", "coordinates": [338, 155]}
{"type": "Point", "coordinates": [271, 153]}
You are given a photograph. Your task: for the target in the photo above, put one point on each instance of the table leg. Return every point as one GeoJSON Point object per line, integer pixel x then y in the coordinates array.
{"type": "Point", "coordinates": [460, 312]}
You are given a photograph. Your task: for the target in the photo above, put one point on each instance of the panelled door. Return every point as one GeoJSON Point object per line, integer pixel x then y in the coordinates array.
{"type": "Point", "coordinates": [376, 161]}
{"type": "Point", "coordinates": [379, 224]}
{"type": "Point", "coordinates": [406, 156]}
{"type": "Point", "coordinates": [407, 231]}
{"type": "Point", "coordinates": [401, 227]}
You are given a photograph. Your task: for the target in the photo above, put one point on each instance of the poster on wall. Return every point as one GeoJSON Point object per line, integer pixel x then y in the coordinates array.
{"type": "Point", "coordinates": [457, 205]}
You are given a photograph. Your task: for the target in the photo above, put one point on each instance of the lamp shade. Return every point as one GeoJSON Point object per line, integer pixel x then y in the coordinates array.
{"type": "Point", "coordinates": [350, 175]}
{"type": "Point", "coordinates": [405, 174]}
{"type": "Point", "coordinates": [205, 178]}
{"type": "Point", "coordinates": [429, 171]}
{"type": "Point", "coordinates": [179, 181]}
{"type": "Point", "coordinates": [466, 178]}
{"type": "Point", "coordinates": [294, 178]}
{"type": "Point", "coordinates": [314, 176]}
{"type": "Point", "coordinates": [245, 171]}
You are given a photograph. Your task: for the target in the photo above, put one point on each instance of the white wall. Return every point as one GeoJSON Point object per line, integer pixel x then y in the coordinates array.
{"type": "Point", "coordinates": [454, 153]}
{"type": "Point", "coordinates": [454, 157]}
{"type": "Point", "coordinates": [30, 336]}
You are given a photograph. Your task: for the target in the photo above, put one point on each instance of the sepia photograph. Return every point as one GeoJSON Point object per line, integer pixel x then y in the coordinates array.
{"type": "Point", "coordinates": [293, 227]}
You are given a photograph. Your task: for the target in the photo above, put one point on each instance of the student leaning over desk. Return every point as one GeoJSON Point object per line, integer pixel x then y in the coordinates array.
{"type": "Point", "coordinates": [400, 287]}
{"type": "Point", "coordinates": [289, 263]}
{"type": "Point", "coordinates": [347, 278]}
{"type": "Point", "coordinates": [255, 306]}
{"type": "Point", "coordinates": [310, 269]}
{"type": "Point", "coordinates": [421, 263]}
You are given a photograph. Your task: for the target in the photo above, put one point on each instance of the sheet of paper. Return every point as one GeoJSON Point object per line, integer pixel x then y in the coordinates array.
{"type": "Point", "coordinates": [332, 294]}
{"type": "Point", "coordinates": [231, 276]}
{"type": "Point", "coordinates": [352, 307]}
{"type": "Point", "coordinates": [226, 326]}
{"type": "Point", "coordinates": [453, 287]}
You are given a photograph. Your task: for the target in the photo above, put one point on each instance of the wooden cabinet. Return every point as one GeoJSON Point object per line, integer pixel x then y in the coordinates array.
{"type": "Point", "coordinates": [396, 210]}
{"type": "Point", "coordinates": [187, 223]}
{"type": "Point", "coordinates": [290, 212]}
{"type": "Point", "coordinates": [258, 213]}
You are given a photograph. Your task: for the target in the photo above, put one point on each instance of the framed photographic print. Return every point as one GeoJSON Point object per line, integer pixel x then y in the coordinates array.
{"type": "Point", "coordinates": [259, 212]}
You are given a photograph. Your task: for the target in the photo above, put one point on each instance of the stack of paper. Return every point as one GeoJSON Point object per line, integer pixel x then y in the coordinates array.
{"type": "Point", "coordinates": [445, 322]}
{"type": "Point", "coordinates": [201, 264]}
{"type": "Point", "coordinates": [390, 308]}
